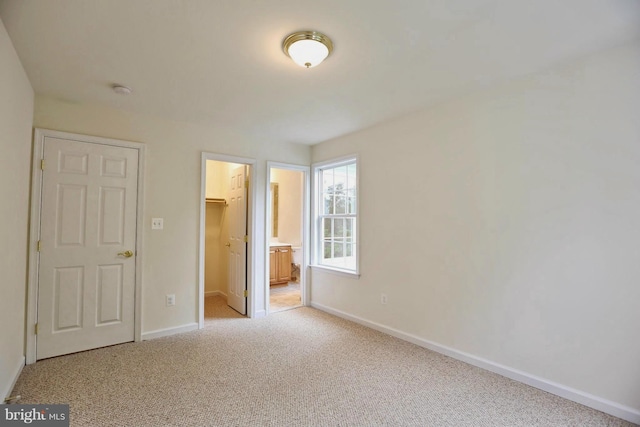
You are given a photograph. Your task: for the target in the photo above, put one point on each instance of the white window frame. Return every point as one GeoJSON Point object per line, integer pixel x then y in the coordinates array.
{"type": "Point", "coordinates": [317, 204]}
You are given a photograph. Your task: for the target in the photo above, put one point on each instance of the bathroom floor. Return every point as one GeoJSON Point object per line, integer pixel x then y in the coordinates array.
{"type": "Point", "coordinates": [284, 297]}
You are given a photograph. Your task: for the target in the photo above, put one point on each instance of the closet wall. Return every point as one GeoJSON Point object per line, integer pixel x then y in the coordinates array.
{"type": "Point", "coordinates": [216, 229]}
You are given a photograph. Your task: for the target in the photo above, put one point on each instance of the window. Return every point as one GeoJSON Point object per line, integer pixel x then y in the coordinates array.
{"type": "Point", "coordinates": [337, 215]}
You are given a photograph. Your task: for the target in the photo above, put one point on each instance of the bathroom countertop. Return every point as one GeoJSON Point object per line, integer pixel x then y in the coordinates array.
{"type": "Point", "coordinates": [272, 244]}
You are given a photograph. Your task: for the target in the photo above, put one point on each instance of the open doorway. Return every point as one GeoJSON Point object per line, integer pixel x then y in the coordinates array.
{"type": "Point", "coordinates": [287, 236]}
{"type": "Point", "coordinates": [226, 223]}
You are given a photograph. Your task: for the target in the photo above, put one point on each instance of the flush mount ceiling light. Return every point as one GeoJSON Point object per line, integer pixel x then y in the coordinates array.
{"type": "Point", "coordinates": [307, 48]}
{"type": "Point", "coordinates": [121, 90]}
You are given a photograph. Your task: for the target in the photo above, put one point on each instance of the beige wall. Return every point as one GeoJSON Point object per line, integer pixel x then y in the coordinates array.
{"type": "Point", "coordinates": [505, 225]}
{"type": "Point", "coordinates": [216, 260]}
{"type": "Point", "coordinates": [172, 192]}
{"type": "Point", "coordinates": [290, 204]}
{"type": "Point", "coordinates": [16, 115]}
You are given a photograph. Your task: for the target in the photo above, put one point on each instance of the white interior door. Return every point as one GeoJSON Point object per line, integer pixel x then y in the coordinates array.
{"type": "Point", "coordinates": [237, 244]}
{"type": "Point", "coordinates": [86, 275]}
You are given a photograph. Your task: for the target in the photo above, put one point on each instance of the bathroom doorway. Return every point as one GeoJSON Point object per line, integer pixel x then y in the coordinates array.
{"type": "Point", "coordinates": [287, 236]}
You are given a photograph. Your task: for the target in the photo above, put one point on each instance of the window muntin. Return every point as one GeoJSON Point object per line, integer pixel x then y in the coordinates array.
{"type": "Point", "coordinates": [337, 216]}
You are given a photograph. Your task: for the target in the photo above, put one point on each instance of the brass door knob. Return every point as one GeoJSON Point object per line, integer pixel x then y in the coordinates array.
{"type": "Point", "coordinates": [228, 244]}
{"type": "Point", "coordinates": [126, 254]}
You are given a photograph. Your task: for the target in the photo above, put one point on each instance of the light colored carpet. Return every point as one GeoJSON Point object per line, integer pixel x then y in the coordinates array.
{"type": "Point", "coordinates": [284, 297]}
{"type": "Point", "coordinates": [298, 367]}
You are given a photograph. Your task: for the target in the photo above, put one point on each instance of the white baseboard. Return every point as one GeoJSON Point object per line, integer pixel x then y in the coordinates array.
{"type": "Point", "coordinates": [16, 374]}
{"type": "Point", "coordinates": [617, 410]}
{"type": "Point", "coordinates": [215, 293]}
{"type": "Point", "coordinates": [260, 313]}
{"type": "Point", "coordinates": [169, 331]}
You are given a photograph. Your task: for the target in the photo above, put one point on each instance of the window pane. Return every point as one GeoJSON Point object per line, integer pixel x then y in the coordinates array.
{"type": "Point", "coordinates": [341, 204]}
{"type": "Point", "coordinates": [349, 227]}
{"type": "Point", "coordinates": [327, 250]}
{"type": "Point", "coordinates": [337, 249]}
{"type": "Point", "coordinates": [327, 180]}
{"type": "Point", "coordinates": [340, 178]}
{"type": "Point", "coordinates": [338, 229]}
{"type": "Point", "coordinates": [327, 227]}
{"type": "Point", "coordinates": [351, 205]}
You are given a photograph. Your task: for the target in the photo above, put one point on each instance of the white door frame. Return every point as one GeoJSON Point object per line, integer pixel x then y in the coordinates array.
{"type": "Point", "coordinates": [306, 170]}
{"type": "Point", "coordinates": [34, 229]}
{"type": "Point", "coordinates": [251, 250]}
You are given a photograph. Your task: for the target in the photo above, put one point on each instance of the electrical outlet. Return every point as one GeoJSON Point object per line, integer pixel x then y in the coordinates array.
{"type": "Point", "coordinates": [171, 300]}
{"type": "Point", "coordinates": [157, 223]}
{"type": "Point", "coordinates": [383, 298]}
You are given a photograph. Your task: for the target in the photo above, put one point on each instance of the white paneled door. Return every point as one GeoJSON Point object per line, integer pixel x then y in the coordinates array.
{"type": "Point", "coordinates": [237, 243]}
{"type": "Point", "coordinates": [86, 275]}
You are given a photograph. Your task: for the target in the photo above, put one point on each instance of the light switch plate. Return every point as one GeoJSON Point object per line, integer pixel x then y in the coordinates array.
{"type": "Point", "coordinates": [157, 223]}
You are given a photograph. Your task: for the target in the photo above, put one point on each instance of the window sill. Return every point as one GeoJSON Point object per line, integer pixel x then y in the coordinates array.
{"type": "Point", "coordinates": [336, 271]}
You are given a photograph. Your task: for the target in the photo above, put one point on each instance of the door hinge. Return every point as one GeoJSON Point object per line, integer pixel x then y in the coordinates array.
{"type": "Point", "coordinates": [246, 239]}
{"type": "Point", "coordinates": [36, 329]}
{"type": "Point", "coordinates": [39, 246]}
{"type": "Point", "coordinates": [42, 164]}
{"type": "Point", "coordinates": [246, 293]}
{"type": "Point", "coordinates": [246, 184]}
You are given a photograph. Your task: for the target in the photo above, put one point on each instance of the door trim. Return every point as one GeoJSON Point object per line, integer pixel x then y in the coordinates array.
{"type": "Point", "coordinates": [34, 229]}
{"type": "Point", "coordinates": [306, 247]}
{"type": "Point", "coordinates": [252, 256]}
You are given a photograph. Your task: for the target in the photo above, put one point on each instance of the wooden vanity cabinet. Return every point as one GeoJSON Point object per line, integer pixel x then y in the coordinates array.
{"type": "Point", "coordinates": [279, 265]}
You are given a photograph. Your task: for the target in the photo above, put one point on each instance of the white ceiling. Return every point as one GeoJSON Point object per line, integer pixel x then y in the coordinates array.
{"type": "Point", "coordinates": [220, 62]}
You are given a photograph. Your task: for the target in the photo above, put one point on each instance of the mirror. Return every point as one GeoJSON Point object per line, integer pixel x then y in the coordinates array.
{"type": "Point", "coordinates": [274, 209]}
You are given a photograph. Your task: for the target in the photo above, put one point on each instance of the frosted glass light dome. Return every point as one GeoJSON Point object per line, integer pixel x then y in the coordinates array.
{"type": "Point", "coordinates": [307, 48]}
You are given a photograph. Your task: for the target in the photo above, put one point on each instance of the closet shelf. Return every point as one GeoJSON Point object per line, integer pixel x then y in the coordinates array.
{"type": "Point", "coordinates": [220, 201]}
